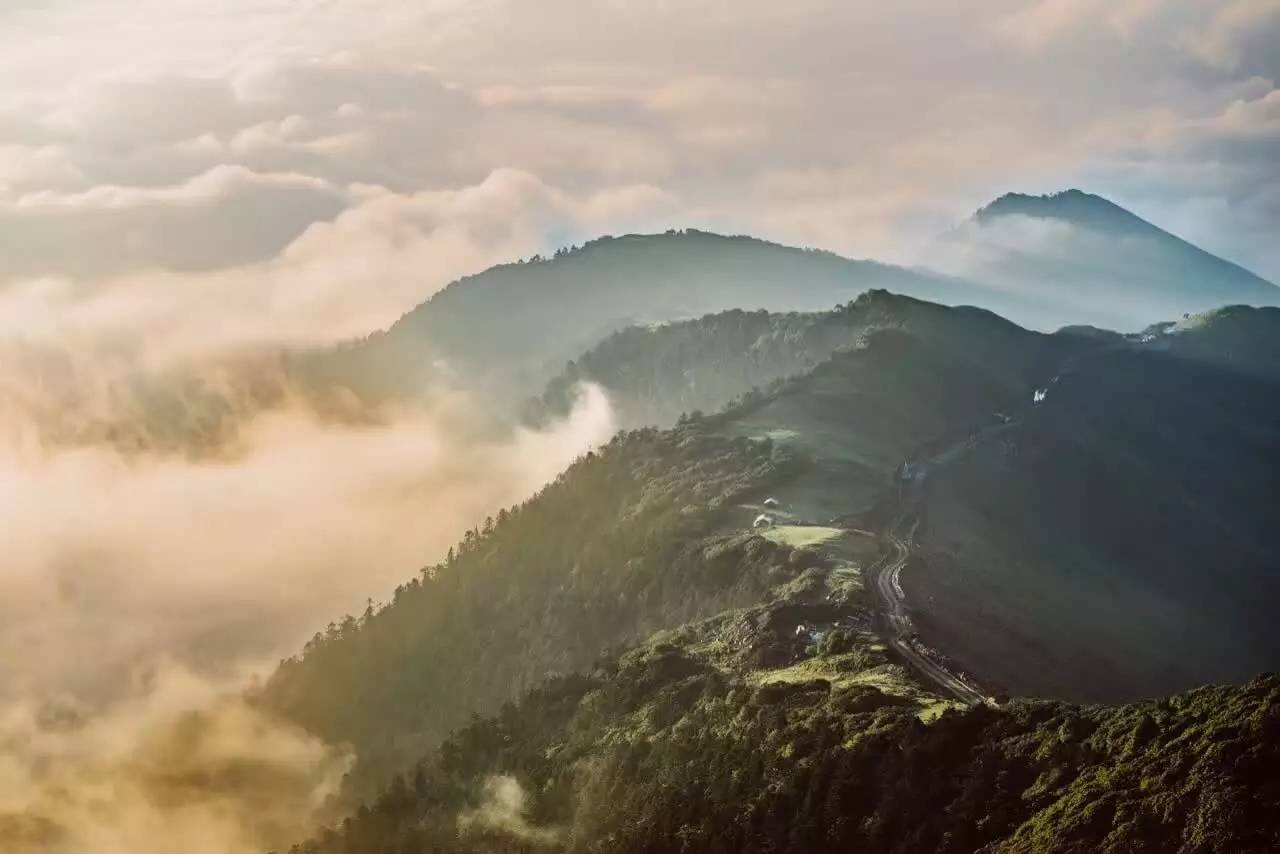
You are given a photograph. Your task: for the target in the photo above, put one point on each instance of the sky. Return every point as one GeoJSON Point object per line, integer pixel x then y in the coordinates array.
{"type": "Point", "coordinates": [197, 139]}
{"type": "Point", "coordinates": [188, 186]}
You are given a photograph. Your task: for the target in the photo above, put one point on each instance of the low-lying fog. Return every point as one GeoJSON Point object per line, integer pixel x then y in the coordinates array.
{"type": "Point", "coordinates": [143, 587]}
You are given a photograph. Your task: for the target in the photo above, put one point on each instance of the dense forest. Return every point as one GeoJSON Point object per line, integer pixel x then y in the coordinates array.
{"type": "Point", "coordinates": [626, 541]}
{"type": "Point", "coordinates": [660, 750]}
{"type": "Point", "coordinates": [624, 663]}
{"type": "Point", "coordinates": [655, 373]}
{"type": "Point", "coordinates": [647, 533]}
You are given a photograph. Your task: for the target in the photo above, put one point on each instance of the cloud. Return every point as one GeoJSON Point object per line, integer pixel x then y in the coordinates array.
{"type": "Point", "coordinates": [693, 99]}
{"type": "Point", "coordinates": [504, 812]}
{"type": "Point", "coordinates": [113, 557]}
{"type": "Point", "coordinates": [382, 254]}
{"type": "Point", "coordinates": [1042, 23]}
{"type": "Point", "coordinates": [177, 758]}
{"type": "Point", "coordinates": [25, 166]}
{"type": "Point", "coordinates": [1234, 28]}
{"type": "Point", "coordinates": [226, 216]}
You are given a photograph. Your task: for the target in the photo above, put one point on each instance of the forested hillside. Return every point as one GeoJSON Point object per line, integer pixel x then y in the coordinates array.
{"type": "Point", "coordinates": [625, 542]}
{"type": "Point", "coordinates": [650, 532]}
{"type": "Point", "coordinates": [663, 750]}
{"type": "Point", "coordinates": [766, 713]}
{"type": "Point", "coordinates": [653, 374]}
{"type": "Point", "coordinates": [512, 328]}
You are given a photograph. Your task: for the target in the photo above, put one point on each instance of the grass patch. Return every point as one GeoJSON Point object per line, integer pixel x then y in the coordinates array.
{"type": "Point", "coordinates": [850, 669]}
{"type": "Point", "coordinates": [890, 679]}
{"type": "Point", "coordinates": [935, 709]}
{"type": "Point", "coordinates": [801, 536]}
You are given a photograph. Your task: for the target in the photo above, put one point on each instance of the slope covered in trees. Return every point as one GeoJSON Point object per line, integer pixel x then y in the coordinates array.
{"type": "Point", "coordinates": [626, 541]}
{"type": "Point", "coordinates": [649, 532]}
{"type": "Point", "coordinates": [1236, 337]}
{"type": "Point", "coordinates": [769, 695]}
{"type": "Point", "coordinates": [653, 374]}
{"type": "Point", "coordinates": [664, 750]}
{"type": "Point", "coordinates": [513, 327]}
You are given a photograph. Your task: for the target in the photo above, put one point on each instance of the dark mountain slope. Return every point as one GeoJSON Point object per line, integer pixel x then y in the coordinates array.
{"type": "Point", "coordinates": [1236, 337]}
{"type": "Point", "coordinates": [1095, 262]}
{"type": "Point", "coordinates": [923, 377]}
{"type": "Point", "coordinates": [1110, 543]}
{"type": "Point", "coordinates": [1118, 541]}
{"type": "Point", "coordinates": [653, 374]}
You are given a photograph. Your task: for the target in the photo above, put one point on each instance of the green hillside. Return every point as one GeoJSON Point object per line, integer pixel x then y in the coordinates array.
{"type": "Point", "coordinates": [650, 532]}
{"type": "Point", "coordinates": [653, 374]}
{"type": "Point", "coordinates": [1093, 523]}
{"type": "Point", "coordinates": [641, 535]}
{"type": "Point", "coordinates": [673, 746]}
{"type": "Point", "coordinates": [512, 328]}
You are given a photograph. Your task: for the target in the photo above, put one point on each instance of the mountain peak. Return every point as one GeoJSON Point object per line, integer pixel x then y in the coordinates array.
{"type": "Point", "coordinates": [1074, 206]}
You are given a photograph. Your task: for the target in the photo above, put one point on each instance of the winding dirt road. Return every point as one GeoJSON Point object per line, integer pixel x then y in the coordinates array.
{"type": "Point", "coordinates": [900, 631]}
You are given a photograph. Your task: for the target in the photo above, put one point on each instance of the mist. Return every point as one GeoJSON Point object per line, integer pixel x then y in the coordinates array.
{"type": "Point", "coordinates": [177, 520]}
{"type": "Point", "coordinates": [180, 762]}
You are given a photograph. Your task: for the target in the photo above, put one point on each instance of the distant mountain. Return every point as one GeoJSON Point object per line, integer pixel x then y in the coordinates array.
{"type": "Point", "coordinates": [1076, 207]}
{"type": "Point", "coordinates": [1093, 261]}
{"type": "Point", "coordinates": [513, 327]}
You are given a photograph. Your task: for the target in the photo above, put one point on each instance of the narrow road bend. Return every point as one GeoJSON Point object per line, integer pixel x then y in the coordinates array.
{"type": "Point", "coordinates": [900, 632]}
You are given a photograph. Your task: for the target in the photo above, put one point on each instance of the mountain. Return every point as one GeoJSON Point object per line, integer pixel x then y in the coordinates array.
{"type": "Point", "coordinates": [672, 748]}
{"type": "Point", "coordinates": [1043, 262]}
{"type": "Point", "coordinates": [1092, 483]}
{"type": "Point", "coordinates": [1114, 542]}
{"type": "Point", "coordinates": [512, 328]}
{"type": "Point", "coordinates": [654, 530]}
{"type": "Point", "coordinates": [692, 637]}
{"type": "Point", "coordinates": [653, 374]}
{"type": "Point", "coordinates": [1238, 337]}
{"type": "Point", "coordinates": [1093, 262]}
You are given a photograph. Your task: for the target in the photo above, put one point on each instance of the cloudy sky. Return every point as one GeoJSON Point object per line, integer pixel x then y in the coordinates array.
{"type": "Point", "coordinates": [344, 158]}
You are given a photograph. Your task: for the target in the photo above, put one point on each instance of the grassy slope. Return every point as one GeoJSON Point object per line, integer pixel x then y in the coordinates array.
{"type": "Point", "coordinates": [1118, 543]}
